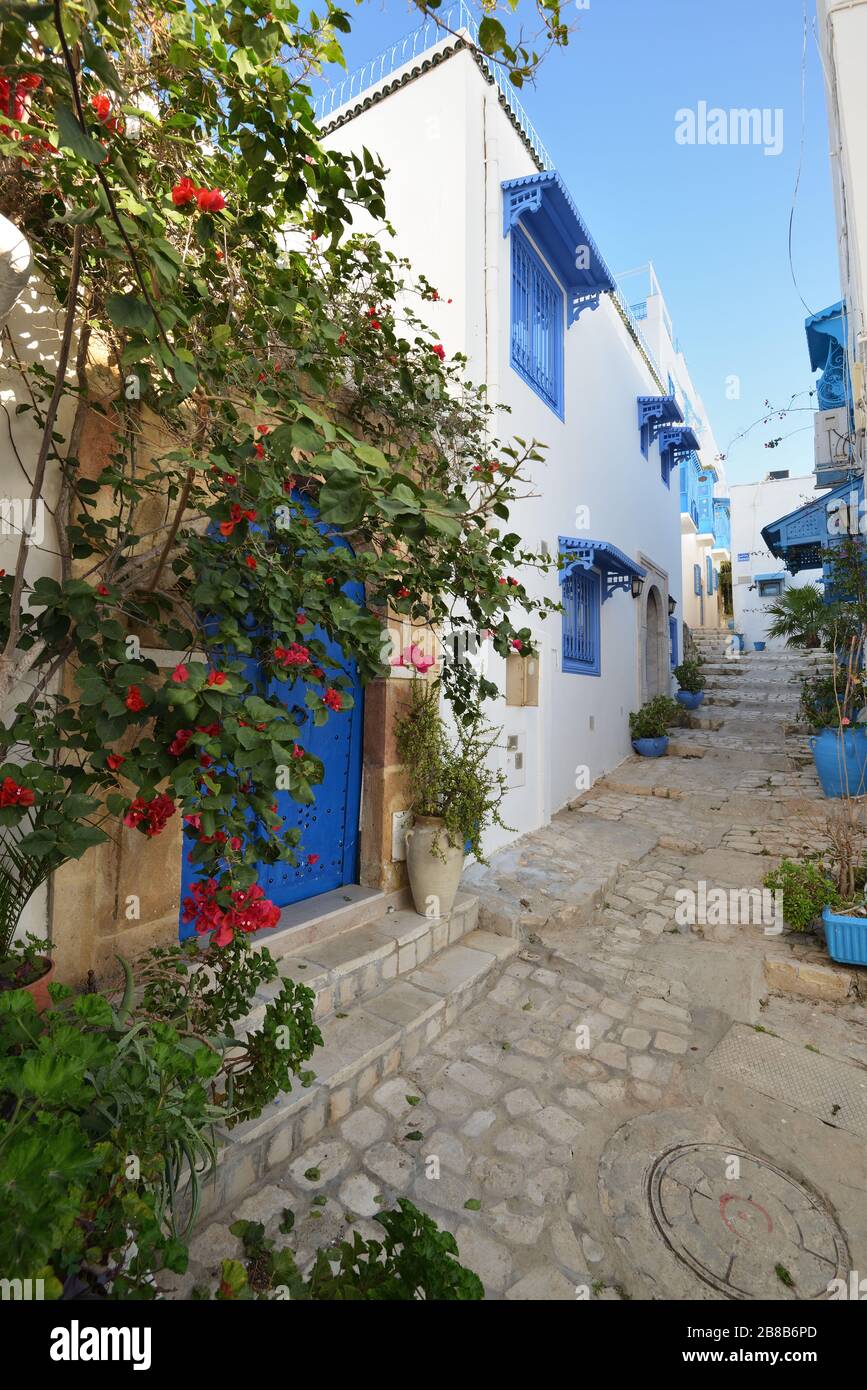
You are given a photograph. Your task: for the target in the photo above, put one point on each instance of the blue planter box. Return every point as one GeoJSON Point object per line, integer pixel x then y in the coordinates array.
{"type": "Point", "coordinates": [840, 756]}
{"type": "Point", "coordinates": [845, 937]}
{"type": "Point", "coordinates": [690, 699]}
{"type": "Point", "coordinates": [650, 747]}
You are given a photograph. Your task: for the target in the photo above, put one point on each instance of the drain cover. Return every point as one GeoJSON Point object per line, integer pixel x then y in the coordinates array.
{"type": "Point", "coordinates": [742, 1225]}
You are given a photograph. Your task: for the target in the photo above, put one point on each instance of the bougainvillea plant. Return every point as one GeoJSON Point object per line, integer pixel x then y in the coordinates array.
{"type": "Point", "coordinates": [274, 386]}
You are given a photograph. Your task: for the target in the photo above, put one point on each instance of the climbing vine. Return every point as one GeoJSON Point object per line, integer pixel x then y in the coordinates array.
{"type": "Point", "coordinates": [272, 384]}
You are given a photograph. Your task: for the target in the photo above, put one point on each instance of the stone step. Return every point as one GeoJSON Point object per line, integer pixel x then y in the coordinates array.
{"type": "Point", "coordinates": [364, 1045]}
{"type": "Point", "coordinates": [348, 966]}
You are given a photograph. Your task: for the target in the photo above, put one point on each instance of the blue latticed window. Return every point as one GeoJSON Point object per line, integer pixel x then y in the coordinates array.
{"type": "Point", "coordinates": [709, 563]}
{"type": "Point", "coordinates": [537, 324]}
{"type": "Point", "coordinates": [696, 578]}
{"type": "Point", "coordinates": [672, 637]}
{"type": "Point", "coordinates": [582, 604]}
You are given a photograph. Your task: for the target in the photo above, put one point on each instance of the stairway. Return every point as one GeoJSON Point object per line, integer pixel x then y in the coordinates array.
{"type": "Point", "coordinates": [385, 987]}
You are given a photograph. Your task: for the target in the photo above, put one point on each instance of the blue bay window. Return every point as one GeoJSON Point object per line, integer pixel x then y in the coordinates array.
{"type": "Point", "coordinates": [557, 274]}
{"type": "Point", "coordinates": [582, 608]}
{"type": "Point", "coordinates": [538, 310]}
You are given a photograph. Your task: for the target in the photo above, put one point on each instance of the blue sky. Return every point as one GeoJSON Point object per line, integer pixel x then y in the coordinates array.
{"type": "Point", "coordinates": [713, 219]}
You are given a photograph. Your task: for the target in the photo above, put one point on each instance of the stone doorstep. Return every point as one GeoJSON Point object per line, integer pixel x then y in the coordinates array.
{"type": "Point", "coordinates": [355, 963]}
{"type": "Point", "coordinates": [371, 1041]}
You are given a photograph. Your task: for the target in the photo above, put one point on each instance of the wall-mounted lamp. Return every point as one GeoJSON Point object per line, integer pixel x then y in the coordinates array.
{"type": "Point", "coordinates": [637, 586]}
{"type": "Point", "coordinates": [672, 604]}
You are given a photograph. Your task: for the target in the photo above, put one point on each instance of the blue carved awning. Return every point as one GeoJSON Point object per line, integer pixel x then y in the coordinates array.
{"type": "Point", "coordinates": [616, 568]}
{"type": "Point", "coordinates": [827, 336]}
{"type": "Point", "coordinates": [801, 538]}
{"type": "Point", "coordinates": [654, 413]}
{"type": "Point", "coordinates": [543, 205]}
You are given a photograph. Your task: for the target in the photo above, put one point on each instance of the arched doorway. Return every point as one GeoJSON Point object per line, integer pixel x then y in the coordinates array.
{"type": "Point", "coordinates": [655, 645]}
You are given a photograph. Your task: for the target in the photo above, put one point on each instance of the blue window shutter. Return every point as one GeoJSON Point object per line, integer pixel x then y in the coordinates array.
{"type": "Point", "coordinates": [696, 578]}
{"type": "Point", "coordinates": [538, 308]}
{"type": "Point", "coordinates": [672, 637]}
{"type": "Point", "coordinates": [582, 611]}
{"type": "Point", "coordinates": [709, 563]}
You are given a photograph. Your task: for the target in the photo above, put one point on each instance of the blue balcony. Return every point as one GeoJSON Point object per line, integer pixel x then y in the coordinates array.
{"type": "Point", "coordinates": [803, 538]}
{"type": "Point", "coordinates": [827, 337]}
{"type": "Point", "coordinates": [690, 472]}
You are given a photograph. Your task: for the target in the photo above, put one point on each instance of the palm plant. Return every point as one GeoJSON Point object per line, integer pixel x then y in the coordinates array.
{"type": "Point", "coordinates": [800, 616]}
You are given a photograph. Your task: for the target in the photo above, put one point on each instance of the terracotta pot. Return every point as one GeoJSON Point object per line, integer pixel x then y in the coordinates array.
{"type": "Point", "coordinates": [39, 988]}
{"type": "Point", "coordinates": [433, 877]}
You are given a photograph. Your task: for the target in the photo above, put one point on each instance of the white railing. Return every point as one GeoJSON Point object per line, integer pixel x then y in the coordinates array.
{"type": "Point", "coordinates": [458, 20]}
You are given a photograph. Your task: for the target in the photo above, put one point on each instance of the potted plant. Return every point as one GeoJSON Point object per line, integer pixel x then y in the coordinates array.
{"type": "Point", "coordinates": [691, 681]}
{"type": "Point", "coordinates": [649, 726]}
{"type": "Point", "coordinates": [831, 884]}
{"type": "Point", "coordinates": [833, 705]}
{"type": "Point", "coordinates": [453, 795]}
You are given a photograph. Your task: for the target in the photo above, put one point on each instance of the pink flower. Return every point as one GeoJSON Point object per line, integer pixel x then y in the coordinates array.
{"type": "Point", "coordinates": [180, 674]}
{"type": "Point", "coordinates": [440, 351]}
{"type": "Point", "coordinates": [517, 644]}
{"type": "Point", "coordinates": [845, 721]}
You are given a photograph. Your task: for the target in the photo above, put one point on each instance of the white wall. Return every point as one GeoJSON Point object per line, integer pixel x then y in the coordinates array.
{"type": "Point", "coordinates": [449, 145]}
{"type": "Point", "coordinates": [842, 31]}
{"type": "Point", "coordinates": [755, 505]}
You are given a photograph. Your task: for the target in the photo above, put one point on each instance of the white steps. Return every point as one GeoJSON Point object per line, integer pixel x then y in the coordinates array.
{"type": "Point", "coordinates": [384, 990]}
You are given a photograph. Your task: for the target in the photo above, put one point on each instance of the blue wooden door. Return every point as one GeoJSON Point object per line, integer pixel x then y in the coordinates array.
{"type": "Point", "coordinates": [329, 827]}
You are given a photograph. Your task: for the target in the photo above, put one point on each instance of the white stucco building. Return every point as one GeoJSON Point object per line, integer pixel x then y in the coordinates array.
{"type": "Point", "coordinates": [480, 210]}
{"type": "Point", "coordinates": [758, 576]}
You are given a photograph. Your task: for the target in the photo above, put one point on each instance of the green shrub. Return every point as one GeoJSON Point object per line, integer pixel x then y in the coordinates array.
{"type": "Point", "coordinates": [688, 676]}
{"type": "Point", "coordinates": [655, 718]}
{"type": "Point", "coordinates": [806, 888]}
{"type": "Point", "coordinates": [415, 1260]}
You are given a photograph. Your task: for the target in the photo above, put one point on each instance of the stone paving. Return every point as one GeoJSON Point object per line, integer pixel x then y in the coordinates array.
{"type": "Point", "coordinates": [569, 1129]}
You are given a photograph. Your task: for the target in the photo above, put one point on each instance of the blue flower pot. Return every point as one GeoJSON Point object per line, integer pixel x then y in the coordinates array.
{"type": "Point", "coordinates": [690, 699]}
{"type": "Point", "coordinates": [841, 760]}
{"type": "Point", "coordinates": [845, 937]}
{"type": "Point", "coordinates": [651, 747]}
{"type": "Point", "coordinates": [759, 646]}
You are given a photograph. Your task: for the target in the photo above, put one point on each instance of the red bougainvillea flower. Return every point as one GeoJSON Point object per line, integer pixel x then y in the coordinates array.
{"type": "Point", "coordinates": [342, 339]}
{"type": "Point", "coordinates": [210, 729]}
{"type": "Point", "coordinates": [263, 429]}
{"type": "Point", "coordinates": [12, 794]}
{"type": "Point", "coordinates": [184, 193]}
{"type": "Point", "coordinates": [301, 618]}
{"type": "Point", "coordinates": [180, 674]}
{"type": "Point", "coordinates": [149, 816]}
{"type": "Point", "coordinates": [403, 592]}
{"type": "Point", "coordinates": [114, 761]}
{"type": "Point", "coordinates": [318, 672]}
{"type": "Point", "coordinates": [134, 700]}
{"type": "Point", "coordinates": [178, 745]}
{"type": "Point", "coordinates": [216, 678]}
{"type": "Point", "coordinates": [440, 351]}
{"type": "Point", "coordinates": [210, 200]}
{"type": "Point", "coordinates": [258, 451]}
{"type": "Point", "coordinates": [513, 582]}
{"type": "Point", "coordinates": [517, 644]}
{"type": "Point", "coordinates": [312, 859]}
{"type": "Point", "coordinates": [297, 751]}
{"type": "Point", "coordinates": [102, 106]}
{"type": "Point", "coordinates": [102, 590]}
{"type": "Point", "coordinates": [375, 323]}
{"type": "Point", "coordinates": [333, 698]}
{"type": "Point", "coordinates": [296, 654]}
{"type": "Point", "coordinates": [250, 561]}
{"type": "Point", "coordinates": [501, 580]}
{"type": "Point", "coordinates": [235, 843]}
{"type": "Point", "coordinates": [195, 821]}
{"type": "Point", "coordinates": [329, 581]}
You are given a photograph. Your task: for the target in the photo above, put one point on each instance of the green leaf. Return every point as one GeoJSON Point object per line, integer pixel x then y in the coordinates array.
{"type": "Point", "coordinates": [96, 58]}
{"type": "Point", "coordinates": [72, 137]}
{"type": "Point", "coordinates": [130, 311]}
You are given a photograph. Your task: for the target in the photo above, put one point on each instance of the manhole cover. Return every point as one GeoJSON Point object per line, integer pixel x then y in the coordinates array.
{"type": "Point", "coordinates": [742, 1225]}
